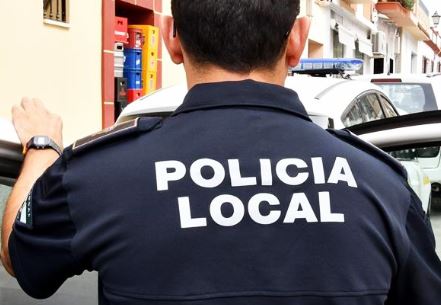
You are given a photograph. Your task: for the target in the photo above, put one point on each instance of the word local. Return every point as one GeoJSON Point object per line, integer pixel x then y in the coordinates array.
{"type": "Point", "coordinates": [299, 206]}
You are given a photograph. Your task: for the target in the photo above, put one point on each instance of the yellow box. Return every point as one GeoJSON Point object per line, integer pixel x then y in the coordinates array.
{"type": "Point", "coordinates": [150, 47]}
{"type": "Point", "coordinates": [148, 82]}
{"type": "Point", "coordinates": [151, 35]}
{"type": "Point", "coordinates": [150, 61]}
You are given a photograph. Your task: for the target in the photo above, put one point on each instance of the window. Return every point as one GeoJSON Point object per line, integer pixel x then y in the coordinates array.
{"type": "Point", "coordinates": [370, 107]}
{"type": "Point", "coordinates": [389, 111]}
{"type": "Point", "coordinates": [426, 63]}
{"type": "Point", "coordinates": [353, 117]}
{"type": "Point", "coordinates": [339, 50]}
{"type": "Point", "coordinates": [428, 152]}
{"type": "Point", "coordinates": [410, 97]}
{"type": "Point", "coordinates": [55, 10]}
{"type": "Point", "coordinates": [357, 53]}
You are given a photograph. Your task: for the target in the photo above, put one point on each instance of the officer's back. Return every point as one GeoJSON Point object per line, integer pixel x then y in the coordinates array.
{"type": "Point", "coordinates": [237, 198]}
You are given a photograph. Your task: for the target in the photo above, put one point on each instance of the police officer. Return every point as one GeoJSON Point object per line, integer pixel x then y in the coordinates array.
{"type": "Point", "coordinates": [237, 198]}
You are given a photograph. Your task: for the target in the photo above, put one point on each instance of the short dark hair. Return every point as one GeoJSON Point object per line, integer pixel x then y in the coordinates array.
{"type": "Point", "coordinates": [236, 35]}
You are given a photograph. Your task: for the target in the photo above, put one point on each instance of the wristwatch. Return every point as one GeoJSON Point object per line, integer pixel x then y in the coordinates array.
{"type": "Point", "coordinates": [42, 142]}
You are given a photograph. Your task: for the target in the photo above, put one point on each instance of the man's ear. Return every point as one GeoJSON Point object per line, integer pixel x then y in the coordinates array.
{"type": "Point", "coordinates": [297, 40]}
{"type": "Point", "coordinates": [171, 41]}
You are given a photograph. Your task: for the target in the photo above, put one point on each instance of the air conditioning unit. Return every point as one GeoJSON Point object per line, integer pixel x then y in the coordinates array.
{"type": "Point", "coordinates": [323, 2]}
{"type": "Point", "coordinates": [379, 44]}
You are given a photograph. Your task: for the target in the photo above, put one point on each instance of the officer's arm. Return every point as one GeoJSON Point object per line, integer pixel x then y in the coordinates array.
{"type": "Point", "coordinates": [419, 277]}
{"type": "Point", "coordinates": [30, 119]}
{"type": "Point", "coordinates": [36, 162]}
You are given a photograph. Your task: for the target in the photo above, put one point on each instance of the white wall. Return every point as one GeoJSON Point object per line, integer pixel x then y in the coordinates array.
{"type": "Point", "coordinates": [409, 45]}
{"type": "Point", "coordinates": [172, 74]}
{"type": "Point", "coordinates": [425, 51]}
{"type": "Point", "coordinates": [58, 65]}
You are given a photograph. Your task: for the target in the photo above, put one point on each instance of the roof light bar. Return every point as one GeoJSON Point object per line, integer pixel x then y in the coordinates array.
{"type": "Point", "coordinates": [315, 66]}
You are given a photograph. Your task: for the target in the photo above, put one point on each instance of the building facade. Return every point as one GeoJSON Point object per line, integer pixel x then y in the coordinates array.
{"type": "Point", "coordinates": [55, 60]}
{"type": "Point", "coordinates": [62, 51]}
{"type": "Point", "coordinates": [388, 35]}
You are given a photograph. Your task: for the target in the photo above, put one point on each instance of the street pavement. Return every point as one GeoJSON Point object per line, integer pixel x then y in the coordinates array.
{"type": "Point", "coordinates": [83, 290]}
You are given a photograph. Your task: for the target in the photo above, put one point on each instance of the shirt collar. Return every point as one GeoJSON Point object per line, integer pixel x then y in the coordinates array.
{"type": "Point", "coordinates": [242, 93]}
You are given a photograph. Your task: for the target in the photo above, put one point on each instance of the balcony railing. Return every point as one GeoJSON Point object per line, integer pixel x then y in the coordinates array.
{"type": "Point", "coordinates": [55, 10]}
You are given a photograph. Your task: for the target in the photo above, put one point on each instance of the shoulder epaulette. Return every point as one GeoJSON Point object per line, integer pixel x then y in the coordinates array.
{"type": "Point", "coordinates": [115, 132]}
{"type": "Point", "coordinates": [352, 139]}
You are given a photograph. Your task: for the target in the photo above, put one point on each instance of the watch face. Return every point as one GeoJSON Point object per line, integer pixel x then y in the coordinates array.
{"type": "Point", "coordinates": [41, 141]}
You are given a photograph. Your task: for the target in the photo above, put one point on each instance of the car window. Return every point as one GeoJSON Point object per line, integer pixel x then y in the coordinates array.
{"type": "Point", "coordinates": [4, 194]}
{"type": "Point", "coordinates": [353, 117]}
{"type": "Point", "coordinates": [389, 111]}
{"type": "Point", "coordinates": [423, 152]}
{"type": "Point", "coordinates": [370, 107]}
{"type": "Point", "coordinates": [411, 97]}
{"type": "Point", "coordinates": [428, 152]}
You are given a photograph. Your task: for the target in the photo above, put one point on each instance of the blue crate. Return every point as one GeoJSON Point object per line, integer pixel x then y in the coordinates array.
{"type": "Point", "coordinates": [133, 59]}
{"type": "Point", "coordinates": [133, 76]}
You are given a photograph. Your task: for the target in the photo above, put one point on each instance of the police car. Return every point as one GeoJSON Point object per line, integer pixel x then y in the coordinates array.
{"type": "Point", "coordinates": [348, 102]}
{"type": "Point", "coordinates": [330, 102]}
{"type": "Point", "coordinates": [416, 93]}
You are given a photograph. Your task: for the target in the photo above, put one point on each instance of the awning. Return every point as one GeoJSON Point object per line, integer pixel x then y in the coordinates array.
{"type": "Point", "coordinates": [346, 37]}
{"type": "Point", "coordinates": [365, 46]}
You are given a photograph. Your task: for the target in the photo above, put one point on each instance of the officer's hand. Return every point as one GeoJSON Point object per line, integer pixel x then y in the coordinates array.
{"type": "Point", "coordinates": [31, 118]}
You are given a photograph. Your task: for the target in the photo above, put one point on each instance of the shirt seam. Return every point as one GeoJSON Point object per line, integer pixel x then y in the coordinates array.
{"type": "Point", "coordinates": [257, 293]}
{"type": "Point", "coordinates": [242, 105]}
{"type": "Point", "coordinates": [71, 251]}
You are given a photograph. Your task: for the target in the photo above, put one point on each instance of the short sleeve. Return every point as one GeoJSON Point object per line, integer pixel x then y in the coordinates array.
{"type": "Point", "coordinates": [419, 278]}
{"type": "Point", "coordinates": [40, 243]}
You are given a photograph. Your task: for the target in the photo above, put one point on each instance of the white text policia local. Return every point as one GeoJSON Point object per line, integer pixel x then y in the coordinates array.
{"type": "Point", "coordinates": [299, 206]}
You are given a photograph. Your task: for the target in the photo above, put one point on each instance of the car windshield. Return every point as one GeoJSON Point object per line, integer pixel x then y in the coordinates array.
{"type": "Point", "coordinates": [409, 154]}
{"type": "Point", "coordinates": [411, 97]}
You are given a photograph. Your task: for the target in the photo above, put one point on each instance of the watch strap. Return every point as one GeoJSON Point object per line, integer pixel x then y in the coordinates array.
{"type": "Point", "coordinates": [49, 144]}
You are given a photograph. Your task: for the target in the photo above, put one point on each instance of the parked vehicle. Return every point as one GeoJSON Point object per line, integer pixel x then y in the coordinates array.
{"type": "Point", "coordinates": [347, 102]}
{"type": "Point", "coordinates": [417, 93]}
{"type": "Point", "coordinates": [410, 92]}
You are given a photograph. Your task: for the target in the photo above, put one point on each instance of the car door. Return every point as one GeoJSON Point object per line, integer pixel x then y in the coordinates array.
{"type": "Point", "coordinates": [10, 163]}
{"type": "Point", "coordinates": [407, 138]}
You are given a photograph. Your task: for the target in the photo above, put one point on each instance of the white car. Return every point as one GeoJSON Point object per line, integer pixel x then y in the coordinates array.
{"type": "Point", "coordinates": [345, 102]}
{"type": "Point", "coordinates": [163, 102]}
{"type": "Point", "coordinates": [410, 92]}
{"type": "Point", "coordinates": [414, 94]}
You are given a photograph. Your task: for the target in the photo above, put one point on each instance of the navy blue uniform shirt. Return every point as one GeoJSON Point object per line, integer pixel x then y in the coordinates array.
{"type": "Point", "coordinates": [236, 199]}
